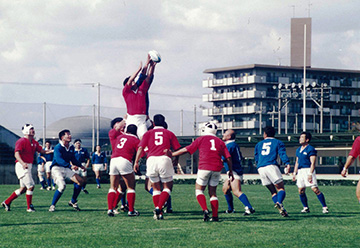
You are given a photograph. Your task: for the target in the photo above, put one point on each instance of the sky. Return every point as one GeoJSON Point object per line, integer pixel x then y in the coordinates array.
{"type": "Point", "coordinates": [55, 51]}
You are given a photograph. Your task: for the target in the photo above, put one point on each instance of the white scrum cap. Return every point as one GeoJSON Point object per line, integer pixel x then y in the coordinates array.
{"type": "Point", "coordinates": [26, 128]}
{"type": "Point", "coordinates": [210, 128]}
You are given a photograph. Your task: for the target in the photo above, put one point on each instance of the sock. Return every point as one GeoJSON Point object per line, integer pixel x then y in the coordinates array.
{"type": "Point", "coordinates": [156, 197]}
{"type": "Point", "coordinates": [321, 198]}
{"type": "Point", "coordinates": [131, 199]}
{"type": "Point", "coordinates": [243, 198]}
{"type": "Point", "coordinates": [111, 197]}
{"type": "Point", "coordinates": [56, 197]}
{"type": "Point", "coordinates": [29, 195]}
{"type": "Point", "coordinates": [53, 183]}
{"type": "Point", "coordinates": [200, 197]}
{"type": "Point", "coordinates": [169, 205]}
{"type": "Point", "coordinates": [42, 183]}
{"type": "Point", "coordinates": [49, 182]}
{"type": "Point", "coordinates": [77, 190]}
{"type": "Point", "coordinates": [12, 197]}
{"type": "Point", "coordinates": [229, 200]}
{"type": "Point", "coordinates": [151, 190]}
{"type": "Point", "coordinates": [281, 196]}
{"type": "Point", "coordinates": [119, 195]}
{"type": "Point", "coordinates": [98, 181]}
{"type": "Point", "coordinates": [83, 187]}
{"type": "Point", "coordinates": [214, 202]}
{"type": "Point", "coordinates": [274, 198]}
{"type": "Point", "coordinates": [164, 196]}
{"type": "Point", "coordinates": [123, 199]}
{"type": "Point", "coordinates": [303, 200]}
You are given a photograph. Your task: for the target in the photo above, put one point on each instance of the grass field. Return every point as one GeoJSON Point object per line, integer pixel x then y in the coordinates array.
{"type": "Point", "coordinates": [91, 227]}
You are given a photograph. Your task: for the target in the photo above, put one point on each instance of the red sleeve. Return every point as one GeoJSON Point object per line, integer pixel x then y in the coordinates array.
{"type": "Point", "coordinates": [355, 150]}
{"type": "Point", "coordinates": [174, 142]}
{"type": "Point", "coordinates": [38, 147]}
{"type": "Point", "coordinates": [226, 152]}
{"type": "Point", "coordinates": [18, 145]}
{"type": "Point", "coordinates": [193, 146]}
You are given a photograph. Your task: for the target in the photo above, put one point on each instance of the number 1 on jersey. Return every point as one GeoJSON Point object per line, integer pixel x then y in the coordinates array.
{"type": "Point", "coordinates": [212, 148]}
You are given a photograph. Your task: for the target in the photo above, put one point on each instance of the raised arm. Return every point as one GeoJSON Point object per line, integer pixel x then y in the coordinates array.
{"type": "Point", "coordinates": [131, 81]}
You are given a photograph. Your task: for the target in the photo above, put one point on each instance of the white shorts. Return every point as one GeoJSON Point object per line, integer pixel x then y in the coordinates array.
{"type": "Point", "coordinates": [120, 166]}
{"type": "Point", "coordinates": [159, 168]}
{"type": "Point", "coordinates": [24, 175]}
{"type": "Point", "coordinates": [47, 166]}
{"type": "Point", "coordinates": [270, 174]}
{"type": "Point", "coordinates": [59, 174]}
{"type": "Point", "coordinates": [139, 121]}
{"type": "Point", "coordinates": [98, 167]}
{"type": "Point", "coordinates": [40, 168]}
{"type": "Point", "coordinates": [236, 176]}
{"type": "Point", "coordinates": [81, 172]}
{"type": "Point", "coordinates": [205, 177]}
{"type": "Point", "coordinates": [302, 178]}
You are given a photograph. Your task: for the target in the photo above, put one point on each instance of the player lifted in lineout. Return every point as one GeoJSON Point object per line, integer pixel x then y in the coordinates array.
{"type": "Point", "coordinates": [211, 150]}
{"type": "Point", "coordinates": [136, 96]}
{"type": "Point", "coordinates": [266, 154]}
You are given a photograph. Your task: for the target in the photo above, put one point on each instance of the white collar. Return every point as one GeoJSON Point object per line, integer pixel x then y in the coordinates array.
{"type": "Point", "coordinates": [229, 141]}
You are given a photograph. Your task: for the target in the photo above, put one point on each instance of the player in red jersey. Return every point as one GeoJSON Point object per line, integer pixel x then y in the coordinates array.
{"type": "Point", "coordinates": [124, 149]}
{"type": "Point", "coordinates": [136, 96]}
{"type": "Point", "coordinates": [25, 149]}
{"type": "Point", "coordinates": [354, 153]}
{"type": "Point", "coordinates": [159, 167]}
{"type": "Point", "coordinates": [211, 149]}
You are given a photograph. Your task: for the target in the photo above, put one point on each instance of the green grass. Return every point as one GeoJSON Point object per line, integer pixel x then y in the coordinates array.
{"type": "Point", "coordinates": [184, 228]}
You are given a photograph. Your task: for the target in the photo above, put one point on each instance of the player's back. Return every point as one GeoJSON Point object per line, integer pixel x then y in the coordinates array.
{"type": "Point", "coordinates": [126, 146]}
{"type": "Point", "coordinates": [158, 140]}
{"type": "Point", "coordinates": [211, 149]}
{"type": "Point", "coordinates": [268, 150]}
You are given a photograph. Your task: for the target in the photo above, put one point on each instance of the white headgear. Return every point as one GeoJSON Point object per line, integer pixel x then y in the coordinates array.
{"type": "Point", "coordinates": [210, 128]}
{"type": "Point", "coordinates": [26, 128]}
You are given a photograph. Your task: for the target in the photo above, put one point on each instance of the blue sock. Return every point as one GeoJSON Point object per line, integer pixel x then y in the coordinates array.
{"type": "Point", "coordinates": [303, 200]}
{"type": "Point", "coordinates": [42, 183]}
{"type": "Point", "coordinates": [151, 190]}
{"type": "Point", "coordinates": [243, 198]}
{"type": "Point", "coordinates": [77, 190]}
{"type": "Point", "coordinates": [53, 183]}
{"type": "Point", "coordinates": [321, 198]}
{"type": "Point", "coordinates": [274, 198]}
{"type": "Point", "coordinates": [169, 203]}
{"type": "Point", "coordinates": [281, 196]}
{"type": "Point", "coordinates": [56, 197]}
{"type": "Point", "coordinates": [49, 182]}
{"type": "Point", "coordinates": [123, 199]}
{"type": "Point", "coordinates": [83, 187]}
{"type": "Point", "coordinates": [98, 181]}
{"type": "Point", "coordinates": [229, 200]}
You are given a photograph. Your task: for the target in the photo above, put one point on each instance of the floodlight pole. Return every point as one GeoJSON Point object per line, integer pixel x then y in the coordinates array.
{"type": "Point", "coordinates": [98, 116]}
{"type": "Point", "coordinates": [279, 109]}
{"type": "Point", "coordinates": [322, 108]}
{"type": "Point", "coordinates": [304, 82]}
{"type": "Point", "coordinates": [44, 124]}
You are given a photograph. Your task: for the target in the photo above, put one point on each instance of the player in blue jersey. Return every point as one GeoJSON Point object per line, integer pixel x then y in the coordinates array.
{"type": "Point", "coordinates": [266, 154]}
{"type": "Point", "coordinates": [62, 167]}
{"type": "Point", "coordinates": [41, 171]}
{"type": "Point", "coordinates": [82, 155]}
{"type": "Point", "coordinates": [48, 161]}
{"type": "Point", "coordinates": [305, 171]}
{"type": "Point", "coordinates": [99, 163]}
{"type": "Point", "coordinates": [234, 186]}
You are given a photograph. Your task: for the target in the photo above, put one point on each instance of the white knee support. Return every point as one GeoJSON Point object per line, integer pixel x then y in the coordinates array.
{"type": "Point", "coordinates": [61, 187]}
{"type": "Point", "coordinates": [28, 192]}
{"type": "Point", "coordinates": [214, 198]}
{"type": "Point", "coordinates": [112, 191]}
{"type": "Point", "coordinates": [199, 192]}
{"type": "Point", "coordinates": [167, 190]}
{"type": "Point", "coordinates": [130, 191]}
{"type": "Point", "coordinates": [155, 192]}
{"type": "Point", "coordinates": [17, 192]}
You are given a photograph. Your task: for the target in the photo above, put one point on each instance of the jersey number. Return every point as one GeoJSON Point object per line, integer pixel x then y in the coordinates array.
{"type": "Point", "coordinates": [212, 148]}
{"type": "Point", "coordinates": [122, 143]}
{"type": "Point", "coordinates": [266, 148]}
{"type": "Point", "coordinates": [159, 139]}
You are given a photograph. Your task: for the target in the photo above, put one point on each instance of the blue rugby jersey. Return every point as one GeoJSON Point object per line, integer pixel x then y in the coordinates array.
{"type": "Point", "coordinates": [236, 157]}
{"type": "Point", "coordinates": [63, 156]}
{"type": "Point", "coordinates": [98, 159]}
{"type": "Point", "coordinates": [82, 155]}
{"type": "Point", "coordinates": [304, 156]}
{"type": "Point", "coordinates": [267, 151]}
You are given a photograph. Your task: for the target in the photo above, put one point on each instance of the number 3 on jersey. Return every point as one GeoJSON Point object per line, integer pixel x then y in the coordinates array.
{"type": "Point", "coordinates": [121, 143]}
{"type": "Point", "coordinates": [266, 148]}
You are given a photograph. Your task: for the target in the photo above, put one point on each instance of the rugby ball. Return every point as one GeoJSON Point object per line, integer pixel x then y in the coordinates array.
{"type": "Point", "coordinates": [155, 56]}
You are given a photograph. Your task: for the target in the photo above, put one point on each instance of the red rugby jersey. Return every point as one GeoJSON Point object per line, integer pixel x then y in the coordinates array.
{"type": "Point", "coordinates": [211, 148]}
{"type": "Point", "coordinates": [27, 149]}
{"type": "Point", "coordinates": [136, 100]}
{"type": "Point", "coordinates": [126, 146]}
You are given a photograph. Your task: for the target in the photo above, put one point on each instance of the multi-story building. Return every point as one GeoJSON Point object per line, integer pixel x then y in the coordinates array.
{"type": "Point", "coordinates": [247, 98]}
